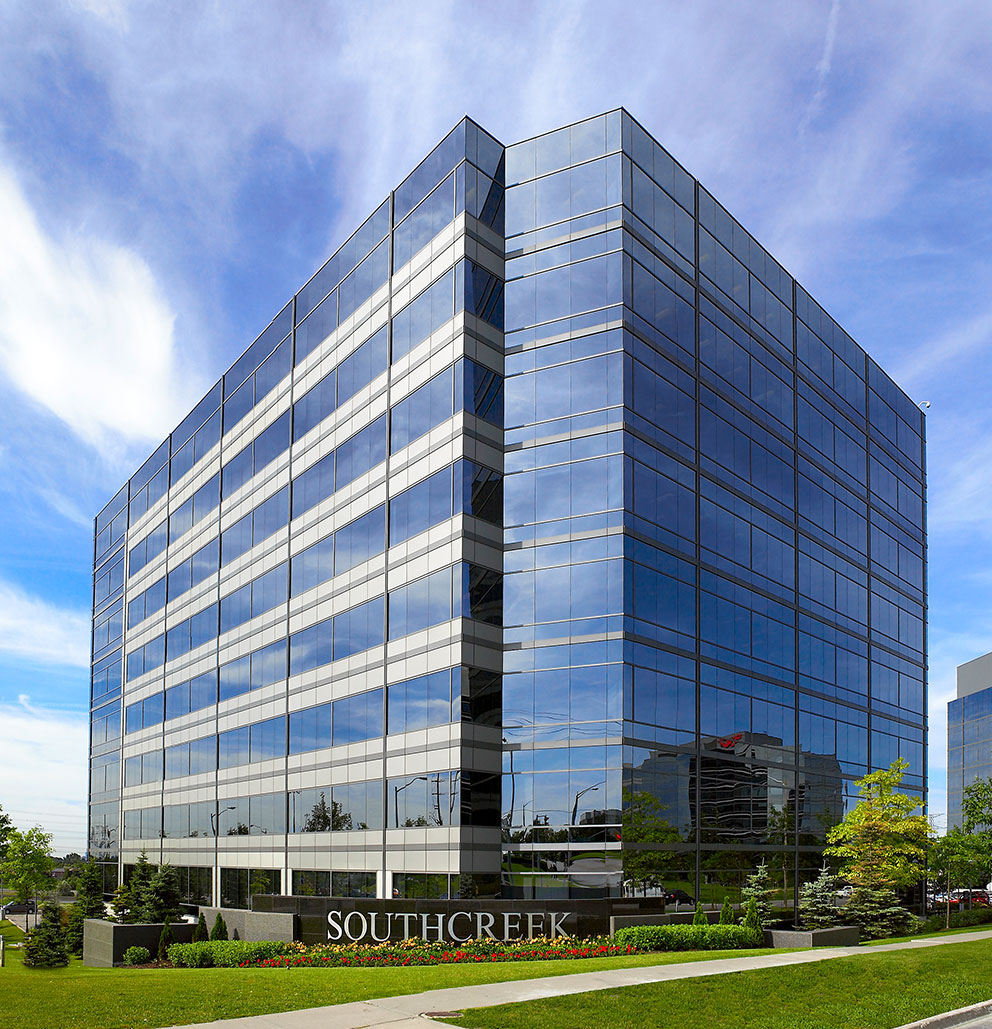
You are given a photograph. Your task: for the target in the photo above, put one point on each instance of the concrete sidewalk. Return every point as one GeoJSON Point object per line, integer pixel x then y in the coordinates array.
{"type": "Point", "coordinates": [404, 1012]}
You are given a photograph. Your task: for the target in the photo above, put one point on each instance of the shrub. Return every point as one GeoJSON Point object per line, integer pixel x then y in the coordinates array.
{"type": "Point", "coordinates": [89, 904]}
{"type": "Point", "coordinates": [45, 944]}
{"type": "Point", "coordinates": [699, 918]}
{"type": "Point", "coordinates": [200, 930]}
{"type": "Point", "coordinates": [727, 913]}
{"type": "Point", "coordinates": [959, 919]}
{"type": "Point", "coordinates": [752, 920]}
{"type": "Point", "coordinates": [219, 931]}
{"type": "Point", "coordinates": [165, 941]}
{"type": "Point", "coordinates": [137, 956]}
{"type": "Point", "coordinates": [687, 937]}
{"type": "Point", "coordinates": [223, 953]}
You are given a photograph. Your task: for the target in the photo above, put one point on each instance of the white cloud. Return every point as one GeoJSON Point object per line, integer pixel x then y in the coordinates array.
{"type": "Point", "coordinates": [38, 631]}
{"type": "Point", "coordinates": [43, 768]}
{"type": "Point", "coordinates": [84, 329]}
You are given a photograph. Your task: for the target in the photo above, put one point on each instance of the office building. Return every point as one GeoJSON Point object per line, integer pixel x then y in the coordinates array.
{"type": "Point", "coordinates": [969, 733]}
{"type": "Point", "coordinates": [551, 542]}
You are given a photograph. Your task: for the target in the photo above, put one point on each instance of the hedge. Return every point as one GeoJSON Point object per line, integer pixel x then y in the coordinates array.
{"type": "Point", "coordinates": [688, 937]}
{"type": "Point", "coordinates": [223, 953]}
{"type": "Point", "coordinates": [137, 956]}
{"type": "Point", "coordinates": [959, 919]}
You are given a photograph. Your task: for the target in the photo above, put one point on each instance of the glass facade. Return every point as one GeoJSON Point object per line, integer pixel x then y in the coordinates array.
{"type": "Point", "coordinates": [969, 733]}
{"type": "Point", "coordinates": [552, 542]}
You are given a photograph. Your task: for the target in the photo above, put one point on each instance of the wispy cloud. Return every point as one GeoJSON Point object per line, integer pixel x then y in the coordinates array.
{"type": "Point", "coordinates": [84, 328]}
{"type": "Point", "coordinates": [37, 631]}
{"type": "Point", "coordinates": [44, 752]}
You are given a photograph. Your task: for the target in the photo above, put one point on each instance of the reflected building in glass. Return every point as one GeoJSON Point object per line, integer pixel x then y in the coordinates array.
{"type": "Point", "coordinates": [551, 542]}
{"type": "Point", "coordinates": [969, 733]}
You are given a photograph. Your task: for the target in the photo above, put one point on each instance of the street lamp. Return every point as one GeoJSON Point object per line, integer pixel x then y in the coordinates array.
{"type": "Point", "coordinates": [215, 816]}
{"type": "Point", "coordinates": [396, 796]}
{"type": "Point", "coordinates": [588, 789]}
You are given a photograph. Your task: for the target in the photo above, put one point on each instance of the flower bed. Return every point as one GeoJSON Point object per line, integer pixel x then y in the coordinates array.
{"type": "Point", "coordinates": [418, 952]}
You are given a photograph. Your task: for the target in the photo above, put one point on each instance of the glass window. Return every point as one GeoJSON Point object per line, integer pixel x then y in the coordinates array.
{"type": "Point", "coordinates": [268, 739]}
{"type": "Point", "coordinates": [421, 506]}
{"type": "Point", "coordinates": [424, 315]}
{"type": "Point", "coordinates": [357, 718]}
{"type": "Point", "coordinates": [422, 702]}
{"type": "Point", "coordinates": [310, 729]}
{"type": "Point", "coordinates": [424, 602]}
{"type": "Point", "coordinates": [424, 408]}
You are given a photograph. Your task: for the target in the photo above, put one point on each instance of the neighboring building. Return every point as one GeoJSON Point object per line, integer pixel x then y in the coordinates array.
{"type": "Point", "coordinates": [969, 733]}
{"type": "Point", "coordinates": [451, 588]}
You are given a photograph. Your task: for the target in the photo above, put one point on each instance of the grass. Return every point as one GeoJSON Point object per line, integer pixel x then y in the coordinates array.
{"type": "Point", "coordinates": [78, 997]}
{"type": "Point", "coordinates": [11, 932]}
{"type": "Point", "coordinates": [867, 991]}
{"type": "Point", "coordinates": [987, 927]}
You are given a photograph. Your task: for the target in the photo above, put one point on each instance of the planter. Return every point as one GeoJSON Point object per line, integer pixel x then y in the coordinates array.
{"type": "Point", "coordinates": [838, 936]}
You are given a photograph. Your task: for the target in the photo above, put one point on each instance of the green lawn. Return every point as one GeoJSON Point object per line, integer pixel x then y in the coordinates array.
{"type": "Point", "coordinates": [868, 991]}
{"type": "Point", "coordinates": [930, 936]}
{"type": "Point", "coordinates": [114, 998]}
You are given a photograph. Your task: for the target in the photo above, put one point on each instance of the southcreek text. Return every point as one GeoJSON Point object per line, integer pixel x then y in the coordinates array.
{"type": "Point", "coordinates": [457, 927]}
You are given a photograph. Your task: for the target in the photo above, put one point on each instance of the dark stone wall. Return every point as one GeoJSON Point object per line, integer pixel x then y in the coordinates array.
{"type": "Point", "coordinates": [104, 943]}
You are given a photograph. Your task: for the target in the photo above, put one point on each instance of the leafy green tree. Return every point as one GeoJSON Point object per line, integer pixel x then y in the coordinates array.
{"type": "Point", "coordinates": [200, 933]}
{"type": "Point", "coordinates": [959, 859]}
{"type": "Point", "coordinates": [6, 827]}
{"type": "Point", "coordinates": [27, 864]}
{"type": "Point", "coordinates": [817, 901]}
{"type": "Point", "coordinates": [219, 931]}
{"type": "Point", "coordinates": [644, 824]}
{"type": "Point", "coordinates": [163, 896]}
{"type": "Point", "coordinates": [45, 944]}
{"type": "Point", "coordinates": [881, 843]}
{"type": "Point", "coordinates": [89, 904]}
{"type": "Point", "coordinates": [976, 807]}
{"type": "Point", "coordinates": [758, 887]}
{"type": "Point", "coordinates": [727, 912]}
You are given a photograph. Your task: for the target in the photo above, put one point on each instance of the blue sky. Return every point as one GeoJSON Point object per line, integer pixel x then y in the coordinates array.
{"type": "Point", "coordinates": [170, 174]}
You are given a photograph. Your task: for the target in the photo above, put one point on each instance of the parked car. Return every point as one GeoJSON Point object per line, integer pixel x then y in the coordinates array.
{"type": "Point", "coordinates": [845, 891]}
{"type": "Point", "coordinates": [678, 897]}
{"type": "Point", "coordinates": [18, 907]}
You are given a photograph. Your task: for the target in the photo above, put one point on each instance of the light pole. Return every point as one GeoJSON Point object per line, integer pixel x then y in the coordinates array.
{"type": "Point", "coordinates": [588, 789]}
{"type": "Point", "coordinates": [396, 796]}
{"type": "Point", "coordinates": [214, 828]}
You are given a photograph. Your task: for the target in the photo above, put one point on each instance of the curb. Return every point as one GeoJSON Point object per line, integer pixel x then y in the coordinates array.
{"type": "Point", "coordinates": [951, 1018]}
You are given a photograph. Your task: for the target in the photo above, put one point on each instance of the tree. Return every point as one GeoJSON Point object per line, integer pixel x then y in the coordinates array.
{"type": "Point", "coordinates": [163, 896]}
{"type": "Point", "coordinates": [200, 933]}
{"type": "Point", "coordinates": [644, 825]}
{"type": "Point", "coordinates": [752, 922]}
{"type": "Point", "coordinates": [976, 807]}
{"type": "Point", "coordinates": [27, 866]}
{"type": "Point", "coordinates": [45, 944]}
{"type": "Point", "coordinates": [165, 940]}
{"type": "Point", "coordinates": [6, 827]}
{"type": "Point", "coordinates": [758, 887]}
{"type": "Point", "coordinates": [138, 889]}
{"type": "Point", "coordinates": [727, 912]}
{"type": "Point", "coordinates": [219, 931]}
{"type": "Point", "coordinates": [89, 904]}
{"type": "Point", "coordinates": [699, 918]}
{"type": "Point", "coordinates": [882, 844]}
{"type": "Point", "coordinates": [959, 858]}
{"type": "Point", "coordinates": [817, 901]}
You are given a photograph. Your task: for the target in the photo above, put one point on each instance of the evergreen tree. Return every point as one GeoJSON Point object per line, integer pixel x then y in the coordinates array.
{"type": "Point", "coordinates": [878, 914]}
{"type": "Point", "coordinates": [219, 931]}
{"type": "Point", "coordinates": [699, 918]}
{"type": "Point", "coordinates": [758, 887]}
{"type": "Point", "coordinates": [89, 904]}
{"type": "Point", "coordinates": [165, 941]}
{"type": "Point", "coordinates": [45, 944]}
{"type": "Point", "coordinates": [727, 912]}
{"type": "Point", "coordinates": [122, 905]}
{"type": "Point", "coordinates": [138, 886]}
{"type": "Point", "coordinates": [200, 932]}
{"type": "Point", "coordinates": [817, 907]}
{"type": "Point", "coordinates": [752, 921]}
{"type": "Point", "coordinates": [163, 897]}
